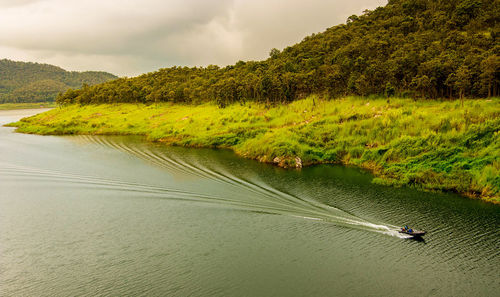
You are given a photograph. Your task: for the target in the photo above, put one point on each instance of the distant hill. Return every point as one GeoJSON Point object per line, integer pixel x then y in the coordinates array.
{"type": "Point", "coordinates": [410, 48]}
{"type": "Point", "coordinates": [34, 82]}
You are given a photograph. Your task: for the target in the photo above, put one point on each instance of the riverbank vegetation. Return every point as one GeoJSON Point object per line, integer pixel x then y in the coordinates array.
{"type": "Point", "coordinates": [431, 144]}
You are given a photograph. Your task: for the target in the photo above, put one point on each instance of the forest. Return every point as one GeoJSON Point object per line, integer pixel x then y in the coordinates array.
{"type": "Point", "coordinates": [22, 82]}
{"type": "Point", "coordinates": [409, 48]}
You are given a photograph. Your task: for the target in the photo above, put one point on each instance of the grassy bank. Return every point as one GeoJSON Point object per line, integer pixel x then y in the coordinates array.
{"type": "Point", "coordinates": [11, 106]}
{"type": "Point", "coordinates": [432, 145]}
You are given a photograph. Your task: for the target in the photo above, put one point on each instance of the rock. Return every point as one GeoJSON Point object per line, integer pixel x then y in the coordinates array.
{"type": "Point", "coordinates": [277, 160]}
{"type": "Point", "coordinates": [298, 162]}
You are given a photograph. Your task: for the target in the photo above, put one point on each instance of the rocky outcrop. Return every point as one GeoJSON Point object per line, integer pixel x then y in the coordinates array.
{"type": "Point", "coordinates": [287, 162]}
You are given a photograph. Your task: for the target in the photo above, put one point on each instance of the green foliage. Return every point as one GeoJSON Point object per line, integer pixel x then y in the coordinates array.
{"type": "Point", "coordinates": [431, 145]}
{"type": "Point", "coordinates": [33, 82]}
{"type": "Point", "coordinates": [419, 48]}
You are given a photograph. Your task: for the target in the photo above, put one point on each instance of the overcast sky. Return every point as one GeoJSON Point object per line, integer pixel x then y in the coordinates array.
{"type": "Point", "coordinates": [130, 37]}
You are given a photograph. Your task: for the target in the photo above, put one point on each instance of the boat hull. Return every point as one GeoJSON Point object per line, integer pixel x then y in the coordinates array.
{"type": "Point", "coordinates": [414, 233]}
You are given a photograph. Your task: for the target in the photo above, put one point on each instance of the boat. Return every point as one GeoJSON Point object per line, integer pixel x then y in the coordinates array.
{"type": "Point", "coordinates": [412, 232]}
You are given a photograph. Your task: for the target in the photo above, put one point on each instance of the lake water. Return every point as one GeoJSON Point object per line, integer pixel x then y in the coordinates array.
{"type": "Point", "coordinates": [117, 216]}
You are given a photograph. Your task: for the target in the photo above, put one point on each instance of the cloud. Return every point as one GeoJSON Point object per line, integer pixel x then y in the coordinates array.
{"type": "Point", "coordinates": [129, 37]}
{"type": "Point", "coordinates": [12, 3]}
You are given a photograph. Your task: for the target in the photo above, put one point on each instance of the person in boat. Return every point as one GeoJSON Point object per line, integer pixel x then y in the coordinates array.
{"type": "Point", "coordinates": [407, 229]}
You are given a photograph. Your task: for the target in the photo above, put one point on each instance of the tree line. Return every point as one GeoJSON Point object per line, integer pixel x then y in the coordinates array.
{"type": "Point", "coordinates": [409, 48]}
{"type": "Point", "coordinates": [34, 82]}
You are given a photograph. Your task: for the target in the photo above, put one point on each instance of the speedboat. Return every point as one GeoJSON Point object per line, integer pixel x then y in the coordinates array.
{"type": "Point", "coordinates": [412, 232]}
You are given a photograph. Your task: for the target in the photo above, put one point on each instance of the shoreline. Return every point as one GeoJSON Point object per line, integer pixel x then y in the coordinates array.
{"type": "Point", "coordinates": [19, 106]}
{"type": "Point", "coordinates": [429, 145]}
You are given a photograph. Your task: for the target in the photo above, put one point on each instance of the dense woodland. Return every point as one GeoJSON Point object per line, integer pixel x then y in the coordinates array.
{"type": "Point", "coordinates": [409, 48]}
{"type": "Point", "coordinates": [33, 82]}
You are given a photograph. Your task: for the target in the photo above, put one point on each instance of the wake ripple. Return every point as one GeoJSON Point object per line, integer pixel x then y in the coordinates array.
{"type": "Point", "coordinates": [260, 197]}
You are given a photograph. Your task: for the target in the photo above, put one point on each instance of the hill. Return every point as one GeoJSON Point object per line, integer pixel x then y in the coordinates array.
{"type": "Point", "coordinates": [411, 48]}
{"type": "Point", "coordinates": [34, 82]}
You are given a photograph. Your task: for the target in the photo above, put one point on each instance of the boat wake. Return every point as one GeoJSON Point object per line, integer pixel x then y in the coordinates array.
{"type": "Point", "coordinates": [239, 192]}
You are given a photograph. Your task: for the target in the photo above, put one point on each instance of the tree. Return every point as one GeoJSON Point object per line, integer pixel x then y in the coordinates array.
{"type": "Point", "coordinates": [421, 84]}
{"type": "Point", "coordinates": [389, 90]}
{"type": "Point", "coordinates": [462, 82]}
{"type": "Point", "coordinates": [466, 10]}
{"type": "Point", "coordinates": [451, 83]}
{"type": "Point", "coordinates": [274, 53]}
{"type": "Point", "coordinates": [490, 74]}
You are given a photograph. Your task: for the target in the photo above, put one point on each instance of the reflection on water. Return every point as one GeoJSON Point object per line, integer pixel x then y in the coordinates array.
{"type": "Point", "coordinates": [95, 215]}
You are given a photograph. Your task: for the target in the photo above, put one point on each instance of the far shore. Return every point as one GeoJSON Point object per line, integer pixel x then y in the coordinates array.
{"type": "Point", "coordinates": [38, 105]}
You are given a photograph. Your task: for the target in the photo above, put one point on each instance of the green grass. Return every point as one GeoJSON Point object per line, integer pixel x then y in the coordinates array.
{"type": "Point", "coordinates": [10, 106]}
{"type": "Point", "coordinates": [431, 145]}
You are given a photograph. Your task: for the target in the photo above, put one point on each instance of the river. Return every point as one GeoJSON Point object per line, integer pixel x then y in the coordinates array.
{"type": "Point", "coordinates": [117, 216]}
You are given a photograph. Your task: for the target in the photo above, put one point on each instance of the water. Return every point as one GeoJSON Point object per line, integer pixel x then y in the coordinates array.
{"type": "Point", "coordinates": [115, 216]}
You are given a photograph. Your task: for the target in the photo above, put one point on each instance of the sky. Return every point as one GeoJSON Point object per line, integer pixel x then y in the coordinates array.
{"type": "Point", "coordinates": [130, 37]}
